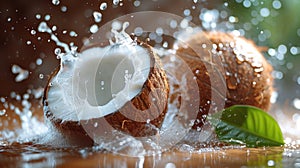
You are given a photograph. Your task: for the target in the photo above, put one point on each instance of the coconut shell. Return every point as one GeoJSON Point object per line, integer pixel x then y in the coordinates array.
{"type": "Point", "coordinates": [142, 116]}
{"type": "Point", "coordinates": [229, 70]}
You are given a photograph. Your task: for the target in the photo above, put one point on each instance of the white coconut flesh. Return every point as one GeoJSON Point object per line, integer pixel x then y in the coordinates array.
{"type": "Point", "coordinates": [99, 82]}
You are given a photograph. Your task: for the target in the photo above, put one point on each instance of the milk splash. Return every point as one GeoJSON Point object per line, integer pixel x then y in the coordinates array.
{"type": "Point", "coordinates": [174, 128]}
{"type": "Point", "coordinates": [27, 106]}
{"type": "Point", "coordinates": [21, 114]}
{"type": "Point", "coordinates": [120, 37]}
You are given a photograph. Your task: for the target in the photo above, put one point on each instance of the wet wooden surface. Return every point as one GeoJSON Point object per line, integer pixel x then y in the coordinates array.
{"type": "Point", "coordinates": [33, 155]}
{"type": "Point", "coordinates": [40, 156]}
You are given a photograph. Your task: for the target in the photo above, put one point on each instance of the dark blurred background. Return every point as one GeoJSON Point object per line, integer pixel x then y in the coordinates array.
{"type": "Point", "coordinates": [271, 23]}
{"type": "Point", "coordinates": [22, 44]}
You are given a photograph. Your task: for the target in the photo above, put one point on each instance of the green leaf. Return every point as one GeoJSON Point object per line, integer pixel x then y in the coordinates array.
{"type": "Point", "coordinates": [247, 125]}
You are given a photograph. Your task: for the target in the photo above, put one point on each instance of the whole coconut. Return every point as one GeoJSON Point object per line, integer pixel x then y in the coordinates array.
{"type": "Point", "coordinates": [228, 69]}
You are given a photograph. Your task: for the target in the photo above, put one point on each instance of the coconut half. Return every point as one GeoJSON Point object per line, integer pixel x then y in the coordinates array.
{"type": "Point", "coordinates": [120, 86]}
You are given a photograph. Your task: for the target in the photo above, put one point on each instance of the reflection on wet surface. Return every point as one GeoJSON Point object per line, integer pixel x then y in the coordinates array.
{"type": "Point", "coordinates": [30, 155]}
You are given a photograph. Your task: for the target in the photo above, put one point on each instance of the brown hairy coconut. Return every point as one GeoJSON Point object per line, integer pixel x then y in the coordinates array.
{"type": "Point", "coordinates": [121, 86]}
{"type": "Point", "coordinates": [229, 70]}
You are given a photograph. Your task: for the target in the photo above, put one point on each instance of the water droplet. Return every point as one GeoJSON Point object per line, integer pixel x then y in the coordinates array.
{"type": "Point", "coordinates": [173, 24]}
{"type": "Point", "coordinates": [26, 96]}
{"type": "Point", "coordinates": [152, 36]}
{"type": "Point", "coordinates": [47, 17]}
{"type": "Point", "coordinates": [103, 6]}
{"type": "Point", "coordinates": [28, 42]}
{"type": "Point", "coordinates": [125, 26]}
{"type": "Point", "coordinates": [294, 50]}
{"type": "Point", "coordinates": [38, 93]}
{"type": "Point", "coordinates": [280, 56]}
{"type": "Point", "coordinates": [276, 4]}
{"type": "Point", "coordinates": [39, 61]}
{"type": "Point", "coordinates": [96, 124]}
{"type": "Point", "coordinates": [289, 65]}
{"type": "Point", "coordinates": [253, 84]}
{"type": "Point", "coordinates": [232, 19]}
{"type": "Point", "coordinates": [41, 76]}
{"type": "Point", "coordinates": [116, 2]}
{"type": "Point", "coordinates": [73, 34]}
{"type": "Point", "coordinates": [116, 25]}
{"type": "Point", "coordinates": [138, 31]}
{"type": "Point", "coordinates": [296, 103]}
{"type": "Point", "coordinates": [94, 28]}
{"type": "Point", "coordinates": [264, 12]}
{"type": "Point", "coordinates": [15, 69]}
{"type": "Point", "coordinates": [33, 32]}
{"type": "Point", "coordinates": [13, 94]}
{"type": "Point", "coordinates": [246, 3]}
{"type": "Point", "coordinates": [184, 23]}
{"type": "Point", "coordinates": [22, 74]}
{"type": "Point", "coordinates": [64, 9]}
{"type": "Point", "coordinates": [277, 74]}
{"type": "Point", "coordinates": [271, 52]}
{"type": "Point", "coordinates": [9, 19]}
{"type": "Point", "coordinates": [18, 97]}
{"type": "Point", "coordinates": [271, 163]}
{"type": "Point", "coordinates": [165, 44]}
{"type": "Point", "coordinates": [262, 37]}
{"type": "Point", "coordinates": [2, 112]}
{"type": "Point", "coordinates": [159, 31]}
{"type": "Point", "coordinates": [136, 3]}
{"type": "Point", "coordinates": [2, 99]}
{"type": "Point", "coordinates": [54, 28]}
{"type": "Point", "coordinates": [57, 51]}
{"type": "Point", "coordinates": [97, 16]}
{"type": "Point", "coordinates": [43, 27]}
{"type": "Point", "coordinates": [274, 97]}
{"type": "Point", "coordinates": [38, 16]}
{"type": "Point", "coordinates": [209, 15]}
{"type": "Point", "coordinates": [186, 12]}
{"type": "Point", "coordinates": [282, 49]}
{"type": "Point", "coordinates": [55, 2]}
